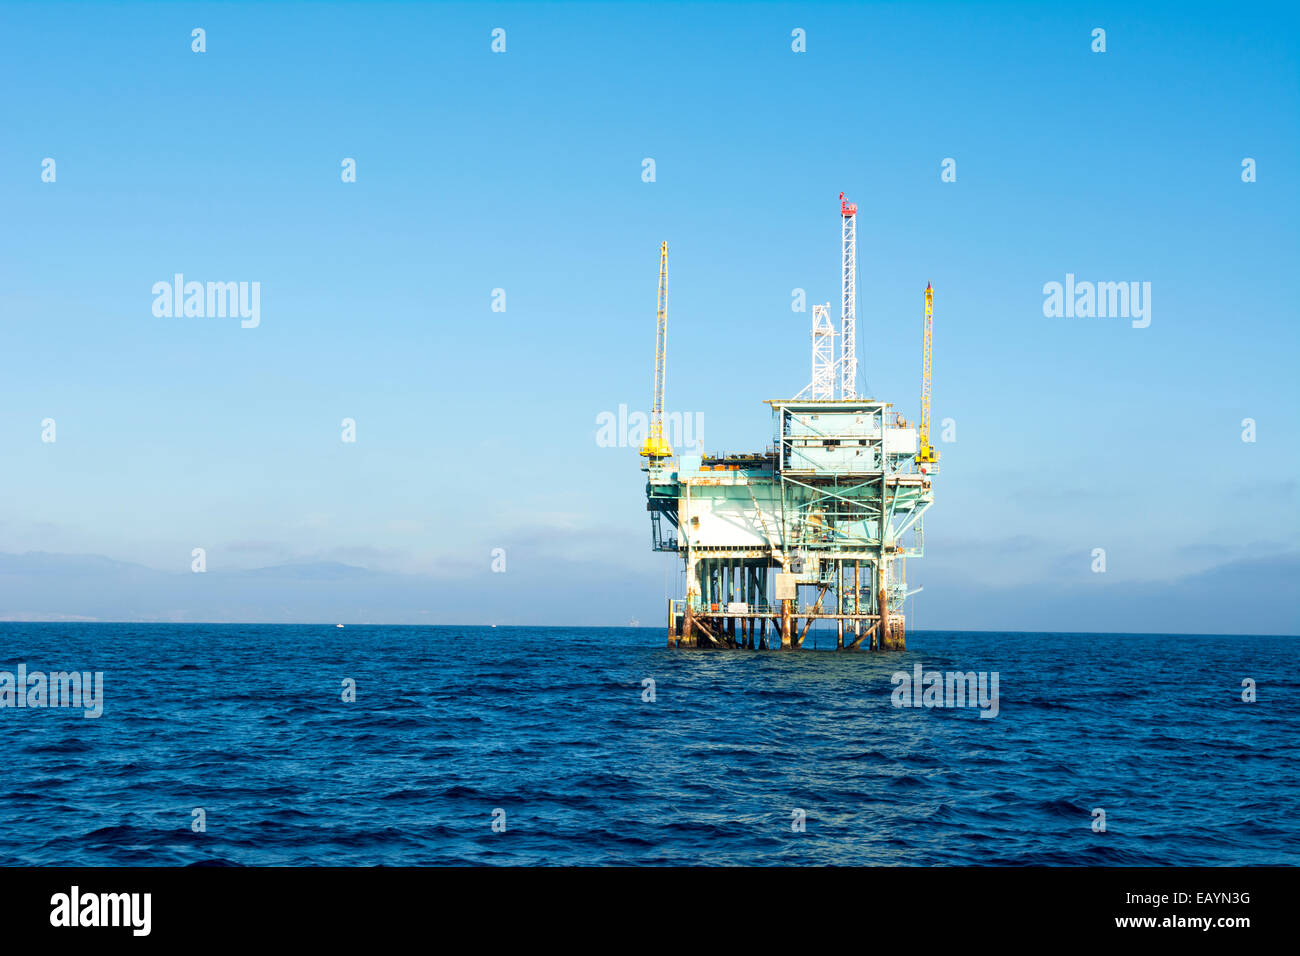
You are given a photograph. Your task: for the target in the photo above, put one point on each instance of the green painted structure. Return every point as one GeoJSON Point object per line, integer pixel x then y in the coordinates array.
{"type": "Point", "coordinates": [818, 527]}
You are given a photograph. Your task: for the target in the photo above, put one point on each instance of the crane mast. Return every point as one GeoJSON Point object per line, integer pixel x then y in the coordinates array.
{"type": "Point", "coordinates": [927, 455]}
{"type": "Point", "coordinates": [655, 445]}
{"type": "Point", "coordinates": [849, 295]}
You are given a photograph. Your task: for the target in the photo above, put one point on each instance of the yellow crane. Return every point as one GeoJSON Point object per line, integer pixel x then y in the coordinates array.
{"type": "Point", "coordinates": [927, 455]}
{"type": "Point", "coordinates": [655, 445]}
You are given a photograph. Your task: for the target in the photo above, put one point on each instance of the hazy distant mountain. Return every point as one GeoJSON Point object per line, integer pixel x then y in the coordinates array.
{"type": "Point", "coordinates": [44, 586]}
{"type": "Point", "coordinates": [1254, 596]}
{"type": "Point", "coordinates": [1250, 596]}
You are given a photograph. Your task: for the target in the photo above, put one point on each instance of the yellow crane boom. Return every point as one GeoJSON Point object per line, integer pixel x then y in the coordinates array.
{"type": "Point", "coordinates": [926, 453]}
{"type": "Point", "coordinates": [655, 445]}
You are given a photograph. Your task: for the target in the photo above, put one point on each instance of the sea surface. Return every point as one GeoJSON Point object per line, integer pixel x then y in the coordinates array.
{"type": "Point", "coordinates": [548, 730]}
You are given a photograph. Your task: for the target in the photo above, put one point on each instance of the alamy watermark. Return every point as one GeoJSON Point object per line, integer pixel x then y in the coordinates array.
{"type": "Point", "coordinates": [683, 430]}
{"type": "Point", "coordinates": [923, 688]}
{"type": "Point", "coordinates": [61, 689]}
{"type": "Point", "coordinates": [1098, 300]}
{"type": "Point", "coordinates": [213, 300]}
{"type": "Point", "coordinates": [75, 908]}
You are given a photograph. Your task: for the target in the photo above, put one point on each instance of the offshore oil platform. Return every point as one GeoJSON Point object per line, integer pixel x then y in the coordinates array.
{"type": "Point", "coordinates": [817, 527]}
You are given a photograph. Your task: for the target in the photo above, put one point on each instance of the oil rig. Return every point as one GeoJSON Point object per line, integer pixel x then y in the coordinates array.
{"type": "Point", "coordinates": [816, 527]}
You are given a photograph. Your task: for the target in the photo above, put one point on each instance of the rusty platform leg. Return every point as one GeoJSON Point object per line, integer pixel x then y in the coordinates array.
{"type": "Point", "coordinates": [839, 605]}
{"type": "Point", "coordinates": [883, 633]}
{"type": "Point", "coordinates": [857, 602]}
{"type": "Point", "coordinates": [786, 627]}
{"type": "Point", "coordinates": [891, 635]}
{"type": "Point", "coordinates": [688, 628]}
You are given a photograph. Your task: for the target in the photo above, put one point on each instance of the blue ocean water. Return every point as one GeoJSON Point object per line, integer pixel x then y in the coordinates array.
{"type": "Point", "coordinates": [549, 725]}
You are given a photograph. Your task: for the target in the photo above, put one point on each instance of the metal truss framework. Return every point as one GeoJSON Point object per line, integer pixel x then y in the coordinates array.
{"type": "Point", "coordinates": [849, 300]}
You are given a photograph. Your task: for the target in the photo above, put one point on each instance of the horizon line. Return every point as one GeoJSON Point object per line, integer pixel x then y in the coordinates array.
{"type": "Point", "coordinates": [624, 627]}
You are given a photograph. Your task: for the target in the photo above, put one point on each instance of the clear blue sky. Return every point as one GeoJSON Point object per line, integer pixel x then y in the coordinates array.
{"type": "Point", "coordinates": [522, 171]}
